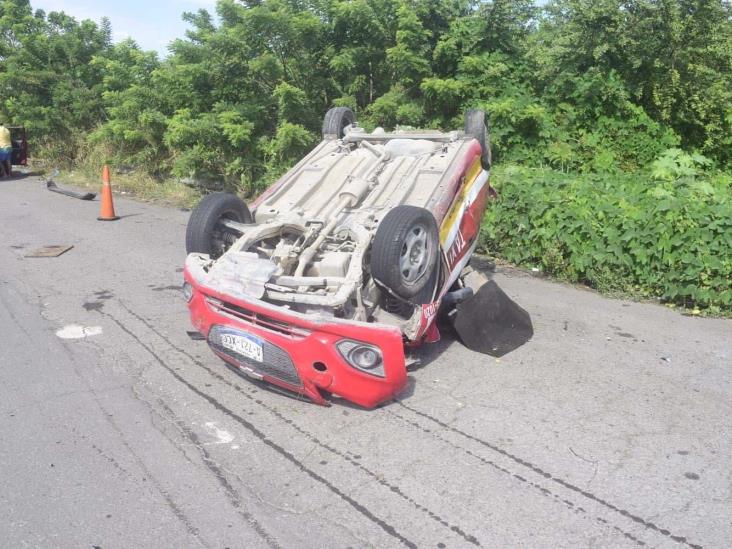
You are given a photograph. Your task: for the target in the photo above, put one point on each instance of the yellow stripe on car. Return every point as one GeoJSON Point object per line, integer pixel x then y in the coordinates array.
{"type": "Point", "coordinates": [454, 215]}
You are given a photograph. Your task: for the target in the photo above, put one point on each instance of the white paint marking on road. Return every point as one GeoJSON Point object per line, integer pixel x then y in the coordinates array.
{"type": "Point", "coordinates": [74, 331]}
{"type": "Point", "coordinates": [224, 437]}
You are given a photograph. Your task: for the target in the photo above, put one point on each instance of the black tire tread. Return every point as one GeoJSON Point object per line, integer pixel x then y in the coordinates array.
{"type": "Point", "coordinates": [335, 120]}
{"type": "Point", "coordinates": [206, 215]}
{"type": "Point", "coordinates": [475, 126]}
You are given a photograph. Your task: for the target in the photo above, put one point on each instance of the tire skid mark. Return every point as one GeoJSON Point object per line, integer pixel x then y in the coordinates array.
{"type": "Point", "coordinates": [231, 493]}
{"type": "Point", "coordinates": [541, 489]}
{"type": "Point", "coordinates": [109, 418]}
{"type": "Point", "coordinates": [363, 510]}
{"type": "Point", "coordinates": [392, 487]}
{"type": "Point", "coordinates": [635, 518]}
{"type": "Point", "coordinates": [172, 505]}
{"type": "Point", "coordinates": [111, 460]}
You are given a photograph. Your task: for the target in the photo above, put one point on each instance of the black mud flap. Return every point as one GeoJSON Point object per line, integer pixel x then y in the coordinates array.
{"type": "Point", "coordinates": [51, 186]}
{"type": "Point", "coordinates": [490, 322]}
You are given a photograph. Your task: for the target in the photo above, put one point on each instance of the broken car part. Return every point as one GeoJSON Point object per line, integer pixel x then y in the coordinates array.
{"type": "Point", "coordinates": [52, 186]}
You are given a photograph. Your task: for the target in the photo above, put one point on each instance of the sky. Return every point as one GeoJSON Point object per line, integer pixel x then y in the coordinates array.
{"type": "Point", "coordinates": [153, 24]}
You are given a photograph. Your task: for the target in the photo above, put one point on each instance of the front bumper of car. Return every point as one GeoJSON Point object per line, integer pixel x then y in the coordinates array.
{"type": "Point", "coordinates": [305, 354]}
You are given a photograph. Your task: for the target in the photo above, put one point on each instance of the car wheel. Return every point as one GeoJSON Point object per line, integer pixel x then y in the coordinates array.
{"type": "Point", "coordinates": [405, 251]}
{"type": "Point", "coordinates": [205, 234]}
{"type": "Point", "coordinates": [475, 127]}
{"type": "Point", "coordinates": [335, 122]}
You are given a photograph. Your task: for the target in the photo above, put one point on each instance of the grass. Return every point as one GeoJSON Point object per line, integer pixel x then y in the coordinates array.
{"type": "Point", "coordinates": [140, 186]}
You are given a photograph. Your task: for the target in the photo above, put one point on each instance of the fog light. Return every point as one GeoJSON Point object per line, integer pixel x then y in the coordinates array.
{"type": "Point", "coordinates": [362, 356]}
{"type": "Point", "coordinates": [187, 291]}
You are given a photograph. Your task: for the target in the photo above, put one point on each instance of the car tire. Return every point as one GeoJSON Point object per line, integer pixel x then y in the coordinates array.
{"type": "Point", "coordinates": [475, 127]}
{"type": "Point", "coordinates": [335, 122]}
{"type": "Point", "coordinates": [405, 253]}
{"type": "Point", "coordinates": [204, 234]}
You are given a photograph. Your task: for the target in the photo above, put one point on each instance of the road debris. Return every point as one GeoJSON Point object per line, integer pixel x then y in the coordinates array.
{"type": "Point", "coordinates": [75, 331]}
{"type": "Point", "coordinates": [223, 437]}
{"type": "Point", "coordinates": [50, 251]}
{"type": "Point", "coordinates": [51, 186]}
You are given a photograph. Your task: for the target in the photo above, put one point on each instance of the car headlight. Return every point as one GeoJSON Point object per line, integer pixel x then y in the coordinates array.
{"type": "Point", "coordinates": [187, 291]}
{"type": "Point", "coordinates": [362, 356]}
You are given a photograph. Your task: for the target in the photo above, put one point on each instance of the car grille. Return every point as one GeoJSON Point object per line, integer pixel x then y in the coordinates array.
{"type": "Point", "coordinates": [276, 362]}
{"type": "Point", "coordinates": [257, 319]}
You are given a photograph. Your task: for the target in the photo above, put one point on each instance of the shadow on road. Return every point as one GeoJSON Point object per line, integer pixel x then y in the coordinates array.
{"type": "Point", "coordinates": [19, 176]}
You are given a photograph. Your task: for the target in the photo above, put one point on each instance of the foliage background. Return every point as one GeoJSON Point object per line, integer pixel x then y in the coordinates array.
{"type": "Point", "coordinates": [611, 120]}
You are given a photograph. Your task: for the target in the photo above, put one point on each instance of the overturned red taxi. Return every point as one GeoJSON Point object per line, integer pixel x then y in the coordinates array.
{"type": "Point", "coordinates": [322, 282]}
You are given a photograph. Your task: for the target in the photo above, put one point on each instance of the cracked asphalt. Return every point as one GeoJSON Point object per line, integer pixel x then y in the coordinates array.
{"type": "Point", "coordinates": [611, 428]}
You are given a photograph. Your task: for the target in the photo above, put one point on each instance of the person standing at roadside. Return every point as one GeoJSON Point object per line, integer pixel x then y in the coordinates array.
{"type": "Point", "coordinates": [6, 151]}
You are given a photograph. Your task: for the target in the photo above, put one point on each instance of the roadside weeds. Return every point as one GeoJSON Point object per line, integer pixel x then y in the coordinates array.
{"type": "Point", "coordinates": [139, 186]}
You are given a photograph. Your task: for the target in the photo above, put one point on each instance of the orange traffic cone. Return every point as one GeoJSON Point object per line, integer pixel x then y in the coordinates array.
{"type": "Point", "coordinates": [107, 211]}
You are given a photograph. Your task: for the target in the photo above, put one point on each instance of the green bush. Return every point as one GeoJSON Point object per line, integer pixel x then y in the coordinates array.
{"type": "Point", "coordinates": [667, 234]}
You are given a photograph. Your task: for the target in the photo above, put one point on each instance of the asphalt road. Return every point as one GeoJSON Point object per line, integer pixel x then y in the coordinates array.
{"type": "Point", "coordinates": [611, 428]}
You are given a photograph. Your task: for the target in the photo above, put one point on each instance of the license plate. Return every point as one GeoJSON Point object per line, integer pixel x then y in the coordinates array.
{"type": "Point", "coordinates": [246, 345]}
